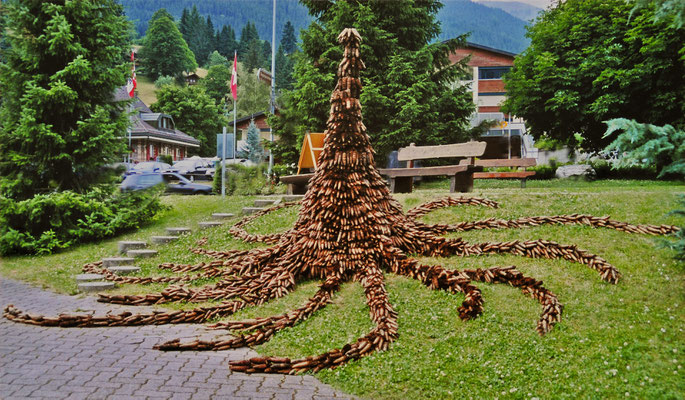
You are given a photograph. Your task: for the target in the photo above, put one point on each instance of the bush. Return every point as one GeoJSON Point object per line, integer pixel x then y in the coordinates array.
{"type": "Point", "coordinates": [679, 243]}
{"type": "Point", "coordinates": [280, 170]}
{"type": "Point", "coordinates": [243, 180]}
{"type": "Point", "coordinates": [50, 222]}
{"type": "Point", "coordinates": [607, 170]}
{"type": "Point", "coordinates": [164, 81]}
{"type": "Point", "coordinates": [166, 158]}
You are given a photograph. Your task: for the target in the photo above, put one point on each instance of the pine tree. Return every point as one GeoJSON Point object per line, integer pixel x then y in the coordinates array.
{"type": "Point", "coordinates": [226, 43]}
{"type": "Point", "coordinates": [253, 148]}
{"type": "Point", "coordinates": [164, 51]}
{"type": "Point", "coordinates": [284, 70]}
{"type": "Point", "coordinates": [247, 35]}
{"type": "Point", "coordinates": [289, 41]}
{"type": "Point", "coordinates": [266, 55]}
{"type": "Point", "coordinates": [58, 122]}
{"type": "Point", "coordinates": [252, 58]}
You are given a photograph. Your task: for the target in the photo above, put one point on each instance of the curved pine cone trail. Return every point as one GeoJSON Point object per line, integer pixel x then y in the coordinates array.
{"type": "Point", "coordinates": [348, 228]}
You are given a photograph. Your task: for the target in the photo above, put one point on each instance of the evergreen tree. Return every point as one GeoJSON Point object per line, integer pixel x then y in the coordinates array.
{"type": "Point", "coordinates": [252, 58]}
{"type": "Point", "coordinates": [284, 70]}
{"type": "Point", "coordinates": [226, 43]}
{"type": "Point", "coordinates": [164, 51]}
{"type": "Point", "coordinates": [58, 121]}
{"type": "Point", "coordinates": [266, 55]}
{"type": "Point", "coordinates": [289, 41]}
{"type": "Point", "coordinates": [407, 95]}
{"type": "Point", "coordinates": [184, 24]}
{"type": "Point", "coordinates": [194, 113]}
{"type": "Point", "coordinates": [253, 148]}
{"type": "Point", "coordinates": [247, 35]}
{"type": "Point", "coordinates": [196, 31]}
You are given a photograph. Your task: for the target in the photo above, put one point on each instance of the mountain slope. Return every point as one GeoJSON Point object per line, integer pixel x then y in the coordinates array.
{"type": "Point", "coordinates": [522, 11]}
{"type": "Point", "coordinates": [488, 26]}
{"type": "Point", "coordinates": [235, 13]}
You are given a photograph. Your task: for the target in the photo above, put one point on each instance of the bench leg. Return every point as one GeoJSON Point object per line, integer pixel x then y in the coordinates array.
{"type": "Point", "coordinates": [462, 182]}
{"type": "Point", "coordinates": [296, 188]}
{"type": "Point", "coordinates": [401, 184]}
{"type": "Point", "coordinates": [523, 183]}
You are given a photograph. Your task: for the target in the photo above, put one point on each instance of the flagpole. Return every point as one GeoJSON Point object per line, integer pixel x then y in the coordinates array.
{"type": "Point", "coordinates": [223, 163]}
{"type": "Point", "coordinates": [273, 85]}
{"type": "Point", "coordinates": [235, 105]}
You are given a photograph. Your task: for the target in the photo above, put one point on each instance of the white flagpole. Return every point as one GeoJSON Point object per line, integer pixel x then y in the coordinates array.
{"type": "Point", "coordinates": [273, 85]}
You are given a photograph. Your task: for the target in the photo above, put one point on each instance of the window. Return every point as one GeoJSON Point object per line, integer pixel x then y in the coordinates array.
{"type": "Point", "coordinates": [492, 72]}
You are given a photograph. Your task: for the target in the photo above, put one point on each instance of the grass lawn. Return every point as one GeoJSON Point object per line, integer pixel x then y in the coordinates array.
{"type": "Point", "coordinates": [624, 340]}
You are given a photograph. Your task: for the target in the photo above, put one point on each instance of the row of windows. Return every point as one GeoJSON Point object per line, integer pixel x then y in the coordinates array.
{"type": "Point", "coordinates": [492, 72]}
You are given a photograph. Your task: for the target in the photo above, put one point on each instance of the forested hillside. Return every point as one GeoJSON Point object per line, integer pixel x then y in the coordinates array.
{"type": "Point", "coordinates": [522, 11]}
{"type": "Point", "coordinates": [488, 26]}
{"type": "Point", "coordinates": [235, 13]}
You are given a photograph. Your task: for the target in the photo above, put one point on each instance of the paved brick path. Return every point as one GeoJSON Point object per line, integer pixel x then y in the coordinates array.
{"type": "Point", "coordinates": [119, 363]}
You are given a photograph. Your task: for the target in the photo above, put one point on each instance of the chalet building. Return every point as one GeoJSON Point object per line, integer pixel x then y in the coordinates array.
{"type": "Point", "coordinates": [488, 65]}
{"type": "Point", "coordinates": [155, 134]}
{"type": "Point", "coordinates": [242, 124]}
{"type": "Point", "coordinates": [192, 79]}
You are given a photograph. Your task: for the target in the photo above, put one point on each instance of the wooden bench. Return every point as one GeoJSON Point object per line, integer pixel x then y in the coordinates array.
{"type": "Point", "coordinates": [296, 184]}
{"type": "Point", "coordinates": [511, 163]}
{"type": "Point", "coordinates": [461, 176]}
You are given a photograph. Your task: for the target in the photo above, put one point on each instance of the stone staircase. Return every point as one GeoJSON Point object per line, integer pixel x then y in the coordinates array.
{"type": "Point", "coordinates": [134, 249]}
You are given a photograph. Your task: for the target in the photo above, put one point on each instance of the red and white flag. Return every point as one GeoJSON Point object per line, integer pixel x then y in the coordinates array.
{"type": "Point", "coordinates": [234, 77]}
{"type": "Point", "coordinates": [131, 85]}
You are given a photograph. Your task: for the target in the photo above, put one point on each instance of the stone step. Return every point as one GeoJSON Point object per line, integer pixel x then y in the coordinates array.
{"type": "Point", "coordinates": [95, 286]}
{"type": "Point", "coordinates": [292, 197]}
{"type": "Point", "coordinates": [251, 210]}
{"type": "Point", "coordinates": [125, 245]}
{"type": "Point", "coordinates": [178, 231]}
{"type": "Point", "coordinates": [145, 253]}
{"type": "Point", "coordinates": [265, 202]}
{"type": "Point", "coordinates": [115, 261]}
{"type": "Point", "coordinates": [209, 224]}
{"type": "Point", "coordinates": [221, 216]}
{"type": "Point", "coordinates": [163, 239]}
{"type": "Point", "coordinates": [89, 277]}
{"type": "Point", "coordinates": [124, 269]}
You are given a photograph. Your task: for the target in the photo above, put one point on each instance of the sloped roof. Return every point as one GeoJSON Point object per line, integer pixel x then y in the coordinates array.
{"type": "Point", "coordinates": [139, 126]}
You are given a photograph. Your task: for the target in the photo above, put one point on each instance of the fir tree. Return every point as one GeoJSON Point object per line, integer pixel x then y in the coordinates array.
{"type": "Point", "coordinates": [164, 51]}
{"type": "Point", "coordinates": [284, 70]}
{"type": "Point", "coordinates": [253, 148]}
{"type": "Point", "coordinates": [247, 35]}
{"type": "Point", "coordinates": [226, 43]}
{"type": "Point", "coordinates": [252, 58]}
{"type": "Point", "coordinates": [289, 41]}
{"type": "Point", "coordinates": [59, 123]}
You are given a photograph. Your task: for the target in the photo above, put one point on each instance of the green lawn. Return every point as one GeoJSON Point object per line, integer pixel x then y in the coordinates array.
{"type": "Point", "coordinates": [614, 341]}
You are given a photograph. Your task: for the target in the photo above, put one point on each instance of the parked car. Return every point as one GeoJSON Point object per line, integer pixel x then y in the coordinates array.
{"type": "Point", "coordinates": [149, 166]}
{"type": "Point", "coordinates": [179, 184]}
{"type": "Point", "coordinates": [174, 182]}
{"type": "Point", "coordinates": [140, 181]}
{"type": "Point", "coordinates": [195, 166]}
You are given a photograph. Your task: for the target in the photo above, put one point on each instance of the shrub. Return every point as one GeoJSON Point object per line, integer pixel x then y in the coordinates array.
{"type": "Point", "coordinates": [243, 180]}
{"type": "Point", "coordinates": [166, 158]}
{"type": "Point", "coordinates": [607, 170]}
{"type": "Point", "coordinates": [50, 222]}
{"type": "Point", "coordinates": [164, 81]}
{"type": "Point", "coordinates": [679, 243]}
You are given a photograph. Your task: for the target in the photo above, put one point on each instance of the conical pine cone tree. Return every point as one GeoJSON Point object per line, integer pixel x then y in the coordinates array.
{"type": "Point", "coordinates": [348, 228]}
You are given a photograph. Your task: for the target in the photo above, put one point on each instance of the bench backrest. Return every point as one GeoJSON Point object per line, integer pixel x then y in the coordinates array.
{"type": "Point", "coordinates": [506, 162]}
{"type": "Point", "coordinates": [469, 149]}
